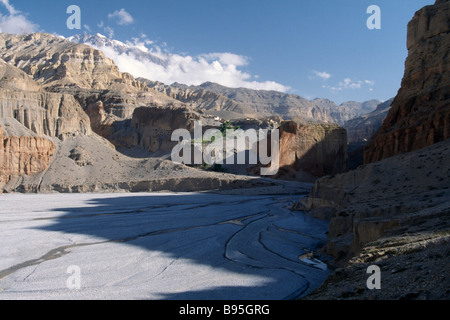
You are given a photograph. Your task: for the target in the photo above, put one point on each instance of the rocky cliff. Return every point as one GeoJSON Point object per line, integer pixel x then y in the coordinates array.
{"type": "Point", "coordinates": [22, 152]}
{"type": "Point", "coordinates": [393, 212]}
{"type": "Point", "coordinates": [56, 63]}
{"type": "Point", "coordinates": [420, 113]}
{"type": "Point", "coordinates": [151, 127]}
{"type": "Point", "coordinates": [51, 114]}
{"type": "Point", "coordinates": [317, 149]}
{"type": "Point", "coordinates": [66, 67]}
{"type": "Point", "coordinates": [44, 113]}
{"type": "Point", "coordinates": [54, 87]}
{"type": "Point", "coordinates": [365, 203]}
{"type": "Point", "coordinates": [29, 116]}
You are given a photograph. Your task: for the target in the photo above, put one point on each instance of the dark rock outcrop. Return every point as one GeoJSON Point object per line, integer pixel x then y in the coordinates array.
{"type": "Point", "coordinates": [152, 127]}
{"type": "Point", "coordinates": [317, 149]}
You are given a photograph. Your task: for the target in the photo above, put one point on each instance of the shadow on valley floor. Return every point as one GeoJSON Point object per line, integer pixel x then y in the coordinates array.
{"type": "Point", "coordinates": [254, 236]}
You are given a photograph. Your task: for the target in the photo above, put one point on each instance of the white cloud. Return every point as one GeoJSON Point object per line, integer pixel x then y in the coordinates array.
{"type": "Point", "coordinates": [228, 58]}
{"type": "Point", "coordinates": [122, 17]}
{"type": "Point", "coordinates": [322, 75]}
{"type": "Point", "coordinates": [223, 68]}
{"type": "Point", "coordinates": [140, 43]}
{"type": "Point", "coordinates": [349, 84]}
{"type": "Point", "coordinates": [333, 89]}
{"type": "Point", "coordinates": [15, 21]}
{"type": "Point", "coordinates": [9, 7]}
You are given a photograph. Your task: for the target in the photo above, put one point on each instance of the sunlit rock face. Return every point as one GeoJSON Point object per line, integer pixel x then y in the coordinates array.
{"type": "Point", "coordinates": [22, 151]}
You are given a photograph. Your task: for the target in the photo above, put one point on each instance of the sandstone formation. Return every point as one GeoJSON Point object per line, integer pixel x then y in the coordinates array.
{"type": "Point", "coordinates": [12, 78]}
{"type": "Point", "coordinates": [29, 115]}
{"type": "Point", "coordinates": [420, 114]}
{"type": "Point", "coordinates": [22, 152]}
{"type": "Point", "coordinates": [51, 114]}
{"type": "Point", "coordinates": [57, 63]}
{"type": "Point", "coordinates": [151, 127]}
{"type": "Point", "coordinates": [45, 113]}
{"type": "Point", "coordinates": [317, 149]}
{"type": "Point", "coordinates": [81, 73]}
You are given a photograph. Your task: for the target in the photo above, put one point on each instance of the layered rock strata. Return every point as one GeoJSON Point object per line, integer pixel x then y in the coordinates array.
{"type": "Point", "coordinates": [22, 152]}
{"type": "Point", "coordinates": [420, 113]}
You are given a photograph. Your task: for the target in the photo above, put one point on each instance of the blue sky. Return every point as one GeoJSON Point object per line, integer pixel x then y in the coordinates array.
{"type": "Point", "coordinates": [319, 48]}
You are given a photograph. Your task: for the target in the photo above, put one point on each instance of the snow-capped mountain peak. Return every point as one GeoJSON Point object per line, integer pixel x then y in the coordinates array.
{"type": "Point", "coordinates": [101, 42]}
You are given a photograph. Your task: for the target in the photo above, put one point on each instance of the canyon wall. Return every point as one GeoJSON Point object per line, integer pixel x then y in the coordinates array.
{"type": "Point", "coordinates": [22, 151]}
{"type": "Point", "coordinates": [404, 185]}
{"type": "Point", "coordinates": [308, 150]}
{"type": "Point", "coordinates": [151, 128]}
{"type": "Point", "coordinates": [51, 114]}
{"type": "Point", "coordinates": [420, 113]}
{"type": "Point", "coordinates": [317, 149]}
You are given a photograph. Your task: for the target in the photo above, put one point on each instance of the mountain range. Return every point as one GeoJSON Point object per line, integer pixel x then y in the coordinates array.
{"type": "Point", "coordinates": [71, 121]}
{"type": "Point", "coordinates": [233, 103]}
{"type": "Point", "coordinates": [78, 111]}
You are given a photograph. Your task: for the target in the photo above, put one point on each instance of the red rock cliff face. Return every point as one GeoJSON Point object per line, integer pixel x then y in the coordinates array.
{"type": "Point", "coordinates": [420, 114]}
{"type": "Point", "coordinates": [25, 154]}
{"type": "Point", "coordinates": [317, 149]}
